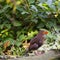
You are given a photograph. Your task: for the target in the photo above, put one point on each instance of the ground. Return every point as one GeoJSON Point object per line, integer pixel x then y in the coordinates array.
{"type": "Point", "coordinates": [46, 56]}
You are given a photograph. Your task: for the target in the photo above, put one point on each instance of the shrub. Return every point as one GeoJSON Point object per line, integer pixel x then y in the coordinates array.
{"type": "Point", "coordinates": [18, 18]}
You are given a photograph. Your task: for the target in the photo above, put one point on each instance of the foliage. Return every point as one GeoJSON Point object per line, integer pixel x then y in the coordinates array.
{"type": "Point", "coordinates": [20, 20]}
{"type": "Point", "coordinates": [53, 39]}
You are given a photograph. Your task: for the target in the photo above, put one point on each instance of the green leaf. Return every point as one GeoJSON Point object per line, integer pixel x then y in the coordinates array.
{"type": "Point", "coordinates": [33, 7]}
{"type": "Point", "coordinates": [31, 1]}
{"type": "Point", "coordinates": [4, 9]}
{"type": "Point", "coordinates": [24, 12]}
{"type": "Point", "coordinates": [18, 43]}
{"type": "Point", "coordinates": [22, 37]}
{"type": "Point", "coordinates": [35, 21]}
{"type": "Point", "coordinates": [16, 23]}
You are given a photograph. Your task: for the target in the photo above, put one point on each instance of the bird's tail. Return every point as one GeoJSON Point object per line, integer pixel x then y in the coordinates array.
{"type": "Point", "coordinates": [26, 52]}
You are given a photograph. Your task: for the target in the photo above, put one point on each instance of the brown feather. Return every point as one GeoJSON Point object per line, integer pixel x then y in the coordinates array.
{"type": "Point", "coordinates": [37, 41]}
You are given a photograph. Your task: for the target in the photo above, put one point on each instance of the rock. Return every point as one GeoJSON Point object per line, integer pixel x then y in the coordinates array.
{"type": "Point", "coordinates": [46, 56]}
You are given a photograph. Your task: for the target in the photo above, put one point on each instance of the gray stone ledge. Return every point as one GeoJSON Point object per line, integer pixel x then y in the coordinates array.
{"type": "Point", "coordinates": [46, 56]}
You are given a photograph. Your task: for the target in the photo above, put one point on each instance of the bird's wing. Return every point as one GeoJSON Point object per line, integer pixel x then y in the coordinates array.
{"type": "Point", "coordinates": [33, 47]}
{"type": "Point", "coordinates": [34, 40]}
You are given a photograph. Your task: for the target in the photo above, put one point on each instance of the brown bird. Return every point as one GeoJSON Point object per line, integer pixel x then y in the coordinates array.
{"type": "Point", "coordinates": [37, 41]}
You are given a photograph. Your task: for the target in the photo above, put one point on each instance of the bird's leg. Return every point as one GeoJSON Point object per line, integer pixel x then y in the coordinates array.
{"type": "Point", "coordinates": [36, 52]}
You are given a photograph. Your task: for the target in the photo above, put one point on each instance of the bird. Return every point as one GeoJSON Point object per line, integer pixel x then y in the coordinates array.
{"type": "Point", "coordinates": [37, 41]}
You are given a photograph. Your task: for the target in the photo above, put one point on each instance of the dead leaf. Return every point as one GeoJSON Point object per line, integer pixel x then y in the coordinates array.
{"type": "Point", "coordinates": [26, 45]}
{"type": "Point", "coordinates": [6, 44]}
{"type": "Point", "coordinates": [8, 52]}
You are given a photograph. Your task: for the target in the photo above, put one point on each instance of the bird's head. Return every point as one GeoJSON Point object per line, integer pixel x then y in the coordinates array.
{"type": "Point", "coordinates": [44, 32]}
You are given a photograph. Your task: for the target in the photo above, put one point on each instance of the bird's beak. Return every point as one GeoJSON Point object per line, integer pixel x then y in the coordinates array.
{"type": "Point", "coordinates": [45, 32]}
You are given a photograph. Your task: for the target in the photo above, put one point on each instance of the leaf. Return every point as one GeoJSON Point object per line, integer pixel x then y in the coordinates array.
{"type": "Point", "coordinates": [22, 37]}
{"type": "Point", "coordinates": [24, 12]}
{"type": "Point", "coordinates": [35, 21]}
{"type": "Point", "coordinates": [18, 43]}
{"type": "Point", "coordinates": [26, 45]}
{"type": "Point", "coordinates": [19, 2]}
{"type": "Point", "coordinates": [6, 44]}
{"type": "Point", "coordinates": [0, 34]}
{"type": "Point", "coordinates": [7, 26]}
{"type": "Point", "coordinates": [4, 9]}
{"type": "Point", "coordinates": [40, 25]}
{"type": "Point", "coordinates": [31, 34]}
{"type": "Point", "coordinates": [4, 31]}
{"type": "Point", "coordinates": [8, 52]}
{"type": "Point", "coordinates": [20, 9]}
{"type": "Point", "coordinates": [34, 8]}
{"type": "Point", "coordinates": [11, 40]}
{"type": "Point", "coordinates": [31, 1]}
{"type": "Point", "coordinates": [56, 15]}
{"type": "Point", "coordinates": [16, 23]}
{"type": "Point", "coordinates": [8, 1]}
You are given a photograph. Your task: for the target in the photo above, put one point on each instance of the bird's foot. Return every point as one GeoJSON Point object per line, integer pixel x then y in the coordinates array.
{"type": "Point", "coordinates": [38, 52]}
